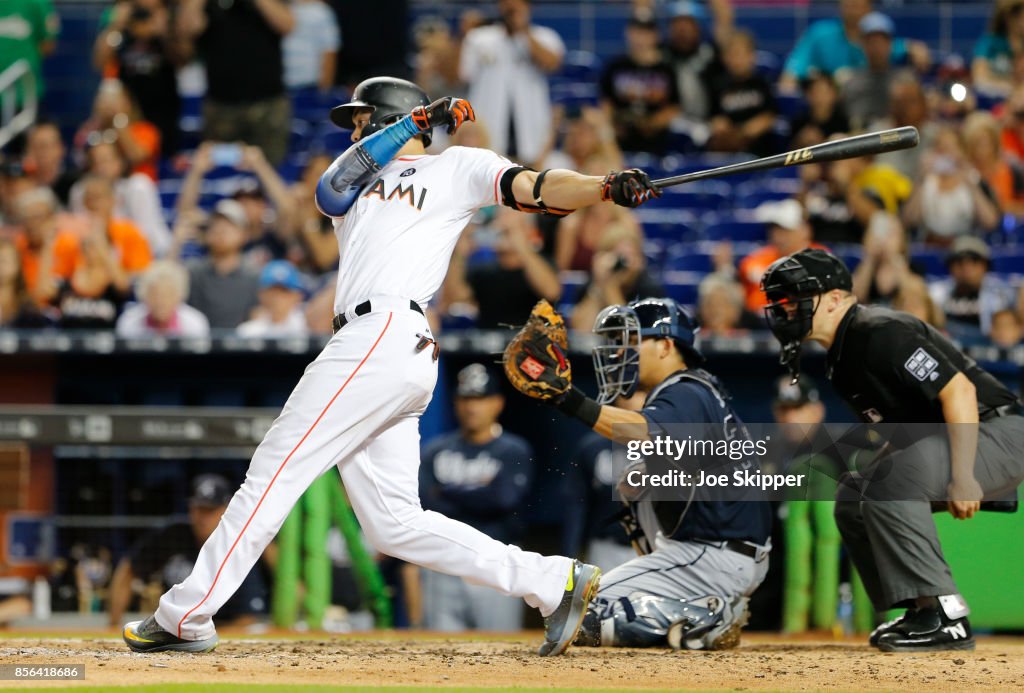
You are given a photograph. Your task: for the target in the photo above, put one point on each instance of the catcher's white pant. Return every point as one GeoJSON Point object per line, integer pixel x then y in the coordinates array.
{"type": "Point", "coordinates": [356, 406]}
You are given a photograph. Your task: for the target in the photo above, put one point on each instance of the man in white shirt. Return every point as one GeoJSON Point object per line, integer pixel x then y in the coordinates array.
{"type": "Point", "coordinates": [506, 66]}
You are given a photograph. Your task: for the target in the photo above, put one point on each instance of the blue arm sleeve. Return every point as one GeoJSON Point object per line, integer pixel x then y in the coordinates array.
{"type": "Point", "coordinates": [340, 185]}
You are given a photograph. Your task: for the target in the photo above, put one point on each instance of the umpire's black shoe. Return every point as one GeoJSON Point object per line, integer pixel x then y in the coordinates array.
{"type": "Point", "coordinates": [928, 630]}
{"type": "Point", "coordinates": [888, 626]}
{"type": "Point", "coordinates": [561, 627]}
{"type": "Point", "coordinates": [148, 636]}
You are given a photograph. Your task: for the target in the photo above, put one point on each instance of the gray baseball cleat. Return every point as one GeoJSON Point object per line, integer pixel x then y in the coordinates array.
{"type": "Point", "coordinates": [148, 636]}
{"type": "Point", "coordinates": [561, 627]}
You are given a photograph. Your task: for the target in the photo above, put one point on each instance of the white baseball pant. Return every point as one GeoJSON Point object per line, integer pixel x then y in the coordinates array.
{"type": "Point", "coordinates": [356, 406]}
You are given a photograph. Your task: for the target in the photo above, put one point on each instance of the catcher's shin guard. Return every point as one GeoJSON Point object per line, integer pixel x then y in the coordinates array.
{"type": "Point", "coordinates": [645, 620]}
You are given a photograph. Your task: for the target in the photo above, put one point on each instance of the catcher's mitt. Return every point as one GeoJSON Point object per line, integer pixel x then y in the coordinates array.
{"type": "Point", "coordinates": [535, 360]}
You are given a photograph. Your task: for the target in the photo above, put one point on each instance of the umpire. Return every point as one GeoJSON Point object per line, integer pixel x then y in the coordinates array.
{"type": "Point", "coordinates": [891, 367]}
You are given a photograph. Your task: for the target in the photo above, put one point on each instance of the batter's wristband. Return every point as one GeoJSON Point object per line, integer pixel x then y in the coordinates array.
{"type": "Point", "coordinates": [575, 403]}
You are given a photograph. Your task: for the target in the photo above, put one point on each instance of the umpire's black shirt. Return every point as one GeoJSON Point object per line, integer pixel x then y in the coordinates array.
{"type": "Point", "coordinates": [890, 366]}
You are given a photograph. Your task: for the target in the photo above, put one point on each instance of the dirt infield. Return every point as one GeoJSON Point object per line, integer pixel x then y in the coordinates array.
{"type": "Point", "coordinates": [428, 661]}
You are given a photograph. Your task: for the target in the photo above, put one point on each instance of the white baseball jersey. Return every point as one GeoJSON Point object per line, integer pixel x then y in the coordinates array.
{"type": "Point", "coordinates": [398, 238]}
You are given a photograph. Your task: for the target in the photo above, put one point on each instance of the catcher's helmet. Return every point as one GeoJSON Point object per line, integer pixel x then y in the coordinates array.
{"type": "Point", "coordinates": [389, 97]}
{"type": "Point", "coordinates": [617, 360]}
{"type": "Point", "coordinates": [793, 286]}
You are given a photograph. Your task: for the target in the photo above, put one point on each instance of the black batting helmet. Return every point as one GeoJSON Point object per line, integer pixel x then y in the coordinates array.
{"type": "Point", "coordinates": [793, 286]}
{"type": "Point", "coordinates": [389, 97]}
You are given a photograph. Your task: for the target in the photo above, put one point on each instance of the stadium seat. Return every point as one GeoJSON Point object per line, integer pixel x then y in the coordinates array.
{"type": "Point", "coordinates": [931, 260]}
{"type": "Point", "coordinates": [756, 192]}
{"type": "Point", "coordinates": [1009, 261]}
{"type": "Point", "coordinates": [736, 230]}
{"type": "Point", "coordinates": [682, 286]}
{"type": "Point", "coordinates": [703, 196]}
{"type": "Point", "coordinates": [688, 257]}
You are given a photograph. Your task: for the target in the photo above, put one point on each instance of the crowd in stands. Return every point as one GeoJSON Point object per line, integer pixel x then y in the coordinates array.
{"type": "Point", "coordinates": [104, 218]}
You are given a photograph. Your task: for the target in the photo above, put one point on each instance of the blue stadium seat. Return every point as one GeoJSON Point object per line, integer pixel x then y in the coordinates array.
{"type": "Point", "coordinates": [1008, 261]}
{"type": "Point", "coordinates": [932, 260]}
{"type": "Point", "coordinates": [736, 230]}
{"type": "Point", "coordinates": [789, 105]}
{"type": "Point", "coordinates": [682, 286]}
{"type": "Point", "coordinates": [850, 254]}
{"type": "Point", "coordinates": [703, 196]}
{"type": "Point", "coordinates": [688, 257]}
{"type": "Point", "coordinates": [756, 192]}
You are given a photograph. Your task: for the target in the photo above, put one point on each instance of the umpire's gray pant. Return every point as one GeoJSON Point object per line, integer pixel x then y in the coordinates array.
{"type": "Point", "coordinates": [886, 518]}
{"type": "Point", "coordinates": [451, 605]}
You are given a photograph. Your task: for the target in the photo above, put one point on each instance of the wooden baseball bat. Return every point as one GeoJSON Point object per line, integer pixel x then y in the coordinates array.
{"type": "Point", "coordinates": [846, 148]}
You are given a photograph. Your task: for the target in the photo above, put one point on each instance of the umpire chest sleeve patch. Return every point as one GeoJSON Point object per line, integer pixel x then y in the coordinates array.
{"type": "Point", "coordinates": [922, 366]}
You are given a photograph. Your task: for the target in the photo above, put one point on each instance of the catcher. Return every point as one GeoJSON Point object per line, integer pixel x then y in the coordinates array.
{"type": "Point", "coordinates": [701, 555]}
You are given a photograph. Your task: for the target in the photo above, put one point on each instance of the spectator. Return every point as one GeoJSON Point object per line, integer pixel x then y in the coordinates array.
{"type": "Point", "coordinates": [280, 312]}
{"type": "Point", "coordinates": [313, 229]}
{"type": "Point", "coordinates": [506, 67]}
{"type": "Point", "coordinates": [479, 475]}
{"type": "Point", "coordinates": [1006, 329]}
{"type": "Point", "coordinates": [971, 296]}
{"type": "Point", "coordinates": [310, 50]}
{"type": "Point", "coordinates": [832, 46]}
{"type": "Point", "coordinates": [981, 138]}
{"type": "Point", "coordinates": [222, 288]}
{"type": "Point", "coordinates": [162, 290]}
{"type": "Point", "coordinates": [166, 556]}
{"type": "Point", "coordinates": [588, 141]}
{"type": "Point", "coordinates": [135, 194]}
{"type": "Point", "coordinates": [788, 232]}
{"type": "Point", "coordinates": [30, 29]}
{"type": "Point", "coordinates": [13, 182]}
{"type": "Point", "coordinates": [17, 309]}
{"type": "Point", "coordinates": [638, 91]}
{"type": "Point", "coordinates": [951, 199]}
{"type": "Point", "coordinates": [113, 252]}
{"type": "Point", "coordinates": [45, 160]}
{"type": "Point", "coordinates": [913, 297]}
{"type": "Point", "coordinates": [618, 275]}
{"type": "Point", "coordinates": [697, 61]}
{"type": "Point", "coordinates": [720, 305]}
{"type": "Point", "coordinates": [240, 44]}
{"type": "Point", "coordinates": [505, 290]}
{"type": "Point", "coordinates": [580, 235]}
{"type": "Point", "coordinates": [1012, 116]}
{"type": "Point", "coordinates": [49, 250]}
{"type": "Point", "coordinates": [907, 106]}
{"type": "Point", "coordinates": [866, 92]}
{"type": "Point", "coordinates": [115, 119]}
{"type": "Point", "coordinates": [137, 46]}
{"type": "Point", "coordinates": [269, 232]}
{"type": "Point", "coordinates": [992, 68]}
{"type": "Point", "coordinates": [742, 105]}
{"type": "Point", "coordinates": [825, 115]}
{"type": "Point", "coordinates": [884, 263]}
{"type": "Point", "coordinates": [437, 56]}
{"type": "Point", "coordinates": [591, 511]}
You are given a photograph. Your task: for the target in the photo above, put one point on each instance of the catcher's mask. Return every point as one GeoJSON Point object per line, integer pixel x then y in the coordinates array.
{"type": "Point", "coordinates": [621, 328]}
{"type": "Point", "coordinates": [793, 286]}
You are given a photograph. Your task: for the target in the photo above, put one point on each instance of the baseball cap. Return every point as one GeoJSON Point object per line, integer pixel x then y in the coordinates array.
{"type": "Point", "coordinates": [210, 491]}
{"type": "Point", "coordinates": [231, 210]}
{"type": "Point", "coordinates": [643, 22]}
{"type": "Point", "coordinates": [876, 23]}
{"type": "Point", "coordinates": [789, 214]}
{"type": "Point", "coordinates": [475, 380]}
{"type": "Point", "coordinates": [687, 8]}
{"type": "Point", "coordinates": [281, 273]}
{"type": "Point", "coordinates": [969, 246]}
{"type": "Point", "coordinates": [790, 394]}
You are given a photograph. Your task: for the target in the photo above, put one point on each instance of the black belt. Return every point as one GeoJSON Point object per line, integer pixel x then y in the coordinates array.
{"type": "Point", "coordinates": [740, 547]}
{"type": "Point", "coordinates": [363, 308]}
{"type": "Point", "coordinates": [1011, 409]}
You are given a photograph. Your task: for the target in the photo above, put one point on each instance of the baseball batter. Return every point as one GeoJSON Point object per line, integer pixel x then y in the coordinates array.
{"type": "Point", "coordinates": [398, 213]}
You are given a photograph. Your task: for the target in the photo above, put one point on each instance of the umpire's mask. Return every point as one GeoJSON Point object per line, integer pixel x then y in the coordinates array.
{"type": "Point", "coordinates": [793, 286]}
{"type": "Point", "coordinates": [616, 357]}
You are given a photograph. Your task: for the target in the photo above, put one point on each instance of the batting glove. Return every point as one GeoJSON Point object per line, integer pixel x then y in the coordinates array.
{"type": "Point", "coordinates": [629, 188]}
{"type": "Point", "coordinates": [449, 111]}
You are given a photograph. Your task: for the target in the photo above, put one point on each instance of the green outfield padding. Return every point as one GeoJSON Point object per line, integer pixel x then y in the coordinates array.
{"type": "Point", "coordinates": [986, 554]}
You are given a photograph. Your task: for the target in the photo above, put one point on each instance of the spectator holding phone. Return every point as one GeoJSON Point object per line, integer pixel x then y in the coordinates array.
{"type": "Point", "coordinates": [115, 119]}
{"type": "Point", "coordinates": [240, 45]}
